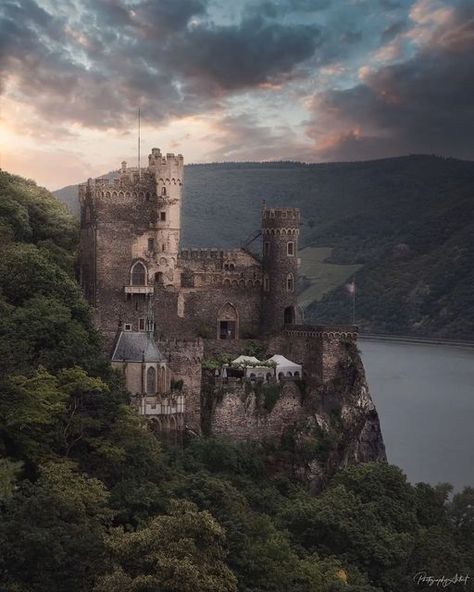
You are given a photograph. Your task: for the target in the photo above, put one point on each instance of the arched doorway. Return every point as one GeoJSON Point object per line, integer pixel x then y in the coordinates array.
{"type": "Point", "coordinates": [228, 322]}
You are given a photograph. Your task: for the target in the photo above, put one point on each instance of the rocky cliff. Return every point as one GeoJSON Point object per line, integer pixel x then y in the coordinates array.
{"type": "Point", "coordinates": [321, 423]}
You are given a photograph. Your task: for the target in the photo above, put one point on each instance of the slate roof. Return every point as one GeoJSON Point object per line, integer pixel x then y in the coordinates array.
{"type": "Point", "coordinates": [136, 346]}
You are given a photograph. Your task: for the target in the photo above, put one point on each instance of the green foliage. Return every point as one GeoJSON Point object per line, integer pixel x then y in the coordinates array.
{"type": "Point", "coordinates": [182, 550]}
{"type": "Point", "coordinates": [255, 349]}
{"type": "Point", "coordinates": [52, 532]}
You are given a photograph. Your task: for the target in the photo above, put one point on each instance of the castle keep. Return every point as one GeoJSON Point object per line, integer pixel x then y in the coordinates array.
{"type": "Point", "coordinates": [166, 312]}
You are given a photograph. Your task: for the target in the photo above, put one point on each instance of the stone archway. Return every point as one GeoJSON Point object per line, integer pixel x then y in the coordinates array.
{"type": "Point", "coordinates": [228, 322]}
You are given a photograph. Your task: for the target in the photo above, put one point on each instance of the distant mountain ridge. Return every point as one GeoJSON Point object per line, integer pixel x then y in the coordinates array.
{"type": "Point", "coordinates": [404, 225]}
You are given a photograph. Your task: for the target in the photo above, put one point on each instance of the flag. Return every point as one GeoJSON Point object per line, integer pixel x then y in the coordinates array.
{"type": "Point", "coordinates": [351, 288]}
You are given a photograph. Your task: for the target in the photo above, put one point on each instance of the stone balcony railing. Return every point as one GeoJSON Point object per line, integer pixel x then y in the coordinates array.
{"type": "Point", "coordinates": [138, 289]}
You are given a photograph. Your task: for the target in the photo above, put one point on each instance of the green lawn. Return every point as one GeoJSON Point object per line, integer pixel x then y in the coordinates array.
{"type": "Point", "coordinates": [324, 277]}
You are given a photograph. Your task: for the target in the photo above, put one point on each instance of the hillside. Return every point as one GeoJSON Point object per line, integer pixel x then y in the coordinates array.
{"type": "Point", "coordinates": [404, 226]}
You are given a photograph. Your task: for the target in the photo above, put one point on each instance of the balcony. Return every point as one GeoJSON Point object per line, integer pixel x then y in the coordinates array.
{"type": "Point", "coordinates": [138, 289]}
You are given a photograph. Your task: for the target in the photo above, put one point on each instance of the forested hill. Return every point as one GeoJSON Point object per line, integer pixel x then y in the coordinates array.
{"type": "Point", "coordinates": [90, 501]}
{"type": "Point", "coordinates": [404, 225]}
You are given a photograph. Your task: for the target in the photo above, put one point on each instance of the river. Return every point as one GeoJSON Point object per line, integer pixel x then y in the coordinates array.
{"type": "Point", "coordinates": [425, 399]}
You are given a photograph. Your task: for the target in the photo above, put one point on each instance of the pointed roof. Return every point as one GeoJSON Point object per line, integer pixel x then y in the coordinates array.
{"type": "Point", "coordinates": [136, 346]}
{"type": "Point", "coordinates": [281, 361]}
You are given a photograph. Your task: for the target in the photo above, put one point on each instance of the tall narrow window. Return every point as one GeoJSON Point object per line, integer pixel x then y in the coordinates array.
{"type": "Point", "coordinates": [290, 248]}
{"type": "Point", "coordinates": [163, 191]}
{"type": "Point", "coordinates": [151, 244]}
{"type": "Point", "coordinates": [138, 274]}
{"type": "Point", "coordinates": [141, 324]}
{"type": "Point", "coordinates": [151, 381]}
{"type": "Point", "coordinates": [290, 284]}
{"type": "Point", "coordinates": [266, 282]}
{"type": "Point", "coordinates": [266, 248]}
{"type": "Point", "coordinates": [163, 216]}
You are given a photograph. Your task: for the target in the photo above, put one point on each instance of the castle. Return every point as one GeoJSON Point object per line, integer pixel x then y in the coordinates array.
{"type": "Point", "coordinates": [164, 311]}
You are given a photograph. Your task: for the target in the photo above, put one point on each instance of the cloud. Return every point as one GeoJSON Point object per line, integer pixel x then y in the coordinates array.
{"type": "Point", "coordinates": [96, 67]}
{"type": "Point", "coordinates": [424, 104]}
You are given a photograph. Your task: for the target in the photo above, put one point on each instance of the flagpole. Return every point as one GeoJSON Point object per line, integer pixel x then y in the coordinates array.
{"type": "Point", "coordinates": [353, 302]}
{"type": "Point", "coordinates": [139, 143]}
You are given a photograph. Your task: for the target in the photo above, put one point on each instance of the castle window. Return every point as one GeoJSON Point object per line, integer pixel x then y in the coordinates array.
{"type": "Point", "coordinates": [290, 248]}
{"type": "Point", "coordinates": [163, 216]}
{"type": "Point", "coordinates": [231, 267]}
{"type": "Point", "coordinates": [266, 248]}
{"type": "Point", "coordinates": [228, 322]}
{"type": "Point", "coordinates": [164, 386]}
{"type": "Point", "coordinates": [141, 324]}
{"type": "Point", "coordinates": [163, 191]}
{"type": "Point", "coordinates": [138, 274]}
{"type": "Point", "coordinates": [151, 244]}
{"type": "Point", "coordinates": [289, 315]}
{"type": "Point", "coordinates": [151, 381]}
{"type": "Point", "coordinates": [127, 326]}
{"type": "Point", "coordinates": [290, 284]}
{"type": "Point", "coordinates": [266, 283]}
{"type": "Point", "coordinates": [163, 248]}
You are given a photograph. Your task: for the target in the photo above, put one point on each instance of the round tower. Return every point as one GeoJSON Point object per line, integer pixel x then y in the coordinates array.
{"type": "Point", "coordinates": [168, 171]}
{"type": "Point", "coordinates": [280, 230]}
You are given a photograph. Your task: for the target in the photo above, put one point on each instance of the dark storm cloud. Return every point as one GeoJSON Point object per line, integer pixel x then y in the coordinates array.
{"type": "Point", "coordinates": [246, 55]}
{"type": "Point", "coordinates": [166, 55]}
{"type": "Point", "coordinates": [425, 104]}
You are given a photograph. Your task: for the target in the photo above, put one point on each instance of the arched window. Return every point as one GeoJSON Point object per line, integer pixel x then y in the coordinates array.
{"type": "Point", "coordinates": [151, 381]}
{"type": "Point", "coordinates": [290, 248]}
{"type": "Point", "coordinates": [290, 283]}
{"type": "Point", "coordinates": [138, 274]}
{"type": "Point", "coordinates": [163, 379]}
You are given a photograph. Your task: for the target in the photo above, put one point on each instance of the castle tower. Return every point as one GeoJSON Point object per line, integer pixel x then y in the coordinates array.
{"type": "Point", "coordinates": [280, 230]}
{"type": "Point", "coordinates": [165, 224]}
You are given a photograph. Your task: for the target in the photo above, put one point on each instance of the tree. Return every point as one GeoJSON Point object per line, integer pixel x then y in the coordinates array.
{"type": "Point", "coordinates": [182, 551]}
{"type": "Point", "coordinates": [52, 532]}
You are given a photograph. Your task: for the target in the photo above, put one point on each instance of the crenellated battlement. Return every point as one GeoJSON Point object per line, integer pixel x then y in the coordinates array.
{"type": "Point", "coordinates": [322, 331]}
{"type": "Point", "coordinates": [282, 215]}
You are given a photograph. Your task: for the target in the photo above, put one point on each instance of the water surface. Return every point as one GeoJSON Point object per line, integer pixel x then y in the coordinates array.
{"type": "Point", "coordinates": [425, 398]}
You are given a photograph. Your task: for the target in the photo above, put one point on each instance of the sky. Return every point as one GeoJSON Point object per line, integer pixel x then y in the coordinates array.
{"type": "Point", "coordinates": [221, 80]}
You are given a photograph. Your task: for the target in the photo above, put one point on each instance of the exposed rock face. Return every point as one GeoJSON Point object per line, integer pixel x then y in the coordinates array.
{"type": "Point", "coordinates": [323, 425]}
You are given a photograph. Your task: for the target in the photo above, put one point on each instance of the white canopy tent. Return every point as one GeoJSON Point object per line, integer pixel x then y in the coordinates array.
{"type": "Point", "coordinates": [251, 367]}
{"type": "Point", "coordinates": [285, 367]}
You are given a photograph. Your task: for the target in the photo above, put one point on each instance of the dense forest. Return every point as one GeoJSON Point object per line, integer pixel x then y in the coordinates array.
{"type": "Point", "coordinates": [91, 500]}
{"type": "Point", "coordinates": [405, 225]}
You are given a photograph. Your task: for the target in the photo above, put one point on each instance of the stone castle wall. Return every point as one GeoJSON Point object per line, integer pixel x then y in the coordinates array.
{"type": "Point", "coordinates": [239, 414]}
